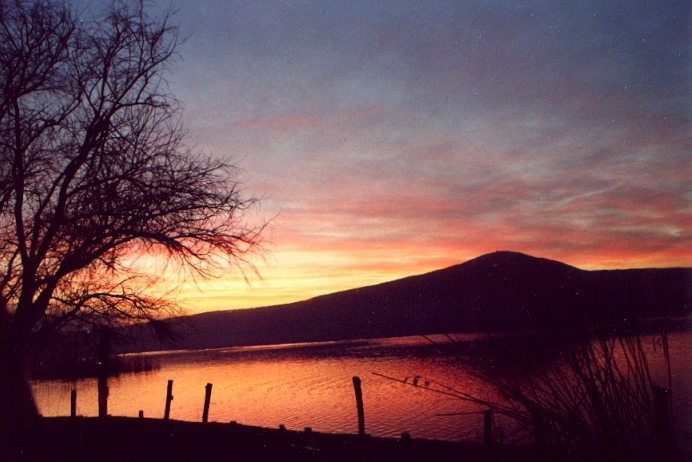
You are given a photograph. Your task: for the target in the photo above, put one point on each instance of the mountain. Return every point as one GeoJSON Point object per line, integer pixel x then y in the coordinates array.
{"type": "Point", "coordinates": [500, 291]}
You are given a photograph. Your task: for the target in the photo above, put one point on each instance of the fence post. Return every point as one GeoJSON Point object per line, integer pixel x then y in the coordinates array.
{"type": "Point", "coordinates": [538, 431]}
{"type": "Point", "coordinates": [488, 428]}
{"type": "Point", "coordinates": [73, 403]}
{"type": "Point", "coordinates": [169, 398]}
{"type": "Point", "coordinates": [104, 354]}
{"type": "Point", "coordinates": [359, 404]}
{"type": "Point", "coordinates": [207, 400]}
{"type": "Point", "coordinates": [662, 421]}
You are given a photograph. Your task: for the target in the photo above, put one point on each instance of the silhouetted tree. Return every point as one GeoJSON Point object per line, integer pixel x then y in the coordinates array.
{"type": "Point", "coordinates": [93, 172]}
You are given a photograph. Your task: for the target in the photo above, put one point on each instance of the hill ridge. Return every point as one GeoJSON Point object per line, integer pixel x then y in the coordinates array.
{"type": "Point", "coordinates": [498, 290]}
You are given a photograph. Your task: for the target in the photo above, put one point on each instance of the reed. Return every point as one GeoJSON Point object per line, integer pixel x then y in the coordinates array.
{"type": "Point", "coordinates": [576, 380]}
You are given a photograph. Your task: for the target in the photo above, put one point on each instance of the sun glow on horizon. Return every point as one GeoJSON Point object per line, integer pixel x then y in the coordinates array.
{"type": "Point", "coordinates": [289, 277]}
{"type": "Point", "coordinates": [433, 133]}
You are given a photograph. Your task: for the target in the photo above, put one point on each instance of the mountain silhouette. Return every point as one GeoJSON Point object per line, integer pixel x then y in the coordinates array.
{"type": "Point", "coordinates": [500, 291]}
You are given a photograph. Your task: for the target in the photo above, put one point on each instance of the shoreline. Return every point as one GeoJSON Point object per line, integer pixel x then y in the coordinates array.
{"type": "Point", "coordinates": [146, 439]}
{"type": "Point", "coordinates": [121, 439]}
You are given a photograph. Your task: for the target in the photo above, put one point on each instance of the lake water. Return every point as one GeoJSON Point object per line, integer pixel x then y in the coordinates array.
{"type": "Point", "coordinates": [310, 385]}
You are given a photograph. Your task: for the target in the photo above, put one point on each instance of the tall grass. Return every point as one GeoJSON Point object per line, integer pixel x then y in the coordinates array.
{"type": "Point", "coordinates": [577, 380]}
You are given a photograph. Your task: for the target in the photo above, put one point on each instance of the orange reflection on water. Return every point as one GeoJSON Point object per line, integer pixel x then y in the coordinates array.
{"type": "Point", "coordinates": [303, 386]}
{"type": "Point", "coordinates": [310, 385]}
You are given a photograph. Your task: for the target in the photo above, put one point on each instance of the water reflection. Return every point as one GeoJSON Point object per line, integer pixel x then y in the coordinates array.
{"type": "Point", "coordinates": [311, 385]}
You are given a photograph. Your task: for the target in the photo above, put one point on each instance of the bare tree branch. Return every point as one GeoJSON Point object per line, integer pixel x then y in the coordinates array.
{"type": "Point", "coordinates": [94, 172]}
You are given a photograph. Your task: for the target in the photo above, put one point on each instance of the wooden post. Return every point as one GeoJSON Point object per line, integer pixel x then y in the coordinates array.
{"type": "Point", "coordinates": [359, 404]}
{"type": "Point", "coordinates": [662, 421]}
{"type": "Point", "coordinates": [488, 428]}
{"type": "Point", "coordinates": [141, 414]}
{"type": "Point", "coordinates": [73, 403]}
{"type": "Point", "coordinates": [169, 398]}
{"type": "Point", "coordinates": [207, 400]}
{"type": "Point", "coordinates": [538, 431]}
{"type": "Point", "coordinates": [104, 354]}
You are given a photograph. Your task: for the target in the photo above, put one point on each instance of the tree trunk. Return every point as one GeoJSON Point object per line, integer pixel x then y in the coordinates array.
{"type": "Point", "coordinates": [17, 409]}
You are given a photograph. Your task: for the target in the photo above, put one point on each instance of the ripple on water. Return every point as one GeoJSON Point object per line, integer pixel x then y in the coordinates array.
{"type": "Point", "coordinates": [311, 387]}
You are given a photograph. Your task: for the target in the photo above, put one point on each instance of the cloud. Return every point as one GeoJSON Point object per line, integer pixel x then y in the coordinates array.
{"type": "Point", "coordinates": [396, 136]}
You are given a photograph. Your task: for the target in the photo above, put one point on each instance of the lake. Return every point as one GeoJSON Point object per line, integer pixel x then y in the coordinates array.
{"type": "Point", "coordinates": [310, 385]}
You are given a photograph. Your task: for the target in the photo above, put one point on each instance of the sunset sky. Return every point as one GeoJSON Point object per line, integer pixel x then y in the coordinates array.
{"type": "Point", "coordinates": [391, 138]}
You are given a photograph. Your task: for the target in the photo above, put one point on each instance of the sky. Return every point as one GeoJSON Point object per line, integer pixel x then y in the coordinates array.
{"type": "Point", "coordinates": [392, 138]}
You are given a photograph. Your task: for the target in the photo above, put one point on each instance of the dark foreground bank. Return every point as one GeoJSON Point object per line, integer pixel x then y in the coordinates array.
{"type": "Point", "coordinates": [129, 439]}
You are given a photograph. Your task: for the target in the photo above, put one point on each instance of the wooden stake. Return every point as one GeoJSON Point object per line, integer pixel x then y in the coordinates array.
{"type": "Point", "coordinates": [73, 403]}
{"type": "Point", "coordinates": [359, 404]}
{"type": "Point", "coordinates": [169, 398]}
{"type": "Point", "coordinates": [538, 431]}
{"type": "Point", "coordinates": [662, 421]}
{"type": "Point", "coordinates": [104, 354]}
{"type": "Point", "coordinates": [207, 400]}
{"type": "Point", "coordinates": [487, 428]}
